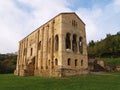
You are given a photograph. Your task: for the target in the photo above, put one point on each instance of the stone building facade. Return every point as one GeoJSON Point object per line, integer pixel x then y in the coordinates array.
{"type": "Point", "coordinates": [56, 49]}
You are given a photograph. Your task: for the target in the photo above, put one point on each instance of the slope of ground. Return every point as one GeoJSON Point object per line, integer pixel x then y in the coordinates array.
{"type": "Point", "coordinates": [88, 82]}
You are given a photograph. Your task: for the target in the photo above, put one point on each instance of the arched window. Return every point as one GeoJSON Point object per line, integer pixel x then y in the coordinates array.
{"type": "Point", "coordinates": [56, 43]}
{"type": "Point", "coordinates": [81, 62]}
{"type": "Point", "coordinates": [74, 43]}
{"type": "Point", "coordinates": [76, 62]}
{"type": "Point", "coordinates": [39, 45]}
{"type": "Point", "coordinates": [67, 41]}
{"type": "Point", "coordinates": [69, 61]}
{"type": "Point", "coordinates": [81, 45]}
{"type": "Point", "coordinates": [56, 61]}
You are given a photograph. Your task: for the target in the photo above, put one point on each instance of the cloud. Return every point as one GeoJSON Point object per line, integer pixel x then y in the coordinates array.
{"type": "Point", "coordinates": [101, 21]}
{"type": "Point", "coordinates": [20, 17]}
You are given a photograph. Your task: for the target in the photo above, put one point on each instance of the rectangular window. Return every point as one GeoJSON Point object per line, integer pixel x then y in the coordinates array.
{"type": "Point", "coordinates": [31, 51]}
{"type": "Point", "coordinates": [68, 61]}
{"type": "Point", "coordinates": [76, 62]}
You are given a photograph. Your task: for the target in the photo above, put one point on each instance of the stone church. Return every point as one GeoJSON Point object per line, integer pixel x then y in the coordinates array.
{"type": "Point", "coordinates": [55, 49]}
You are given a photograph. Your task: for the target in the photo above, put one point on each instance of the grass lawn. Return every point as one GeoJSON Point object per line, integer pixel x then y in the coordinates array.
{"type": "Point", "coordinates": [88, 82]}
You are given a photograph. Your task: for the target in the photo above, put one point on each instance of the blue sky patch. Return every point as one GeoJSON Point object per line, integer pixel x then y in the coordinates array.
{"type": "Point", "coordinates": [23, 6]}
{"type": "Point", "coordinates": [75, 4]}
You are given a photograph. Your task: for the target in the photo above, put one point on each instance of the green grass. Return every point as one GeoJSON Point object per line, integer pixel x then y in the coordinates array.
{"type": "Point", "coordinates": [88, 82]}
{"type": "Point", "coordinates": [112, 61]}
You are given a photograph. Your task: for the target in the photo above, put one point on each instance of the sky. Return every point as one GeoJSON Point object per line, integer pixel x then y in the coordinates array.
{"type": "Point", "coordinates": [18, 18]}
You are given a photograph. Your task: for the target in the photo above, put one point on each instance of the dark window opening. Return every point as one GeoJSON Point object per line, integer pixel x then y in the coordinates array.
{"type": "Point", "coordinates": [49, 62]}
{"type": "Point", "coordinates": [81, 45]}
{"type": "Point", "coordinates": [31, 51]}
{"type": "Point", "coordinates": [56, 62]}
{"type": "Point", "coordinates": [56, 43]}
{"type": "Point", "coordinates": [68, 43]}
{"type": "Point", "coordinates": [74, 43]}
{"type": "Point", "coordinates": [41, 67]}
{"type": "Point", "coordinates": [46, 67]}
{"type": "Point", "coordinates": [81, 62]}
{"type": "Point", "coordinates": [76, 61]}
{"type": "Point", "coordinates": [69, 61]}
{"type": "Point", "coordinates": [74, 23]}
{"type": "Point", "coordinates": [39, 45]}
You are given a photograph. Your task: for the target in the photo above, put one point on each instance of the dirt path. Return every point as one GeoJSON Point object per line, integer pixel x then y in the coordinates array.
{"type": "Point", "coordinates": [104, 73]}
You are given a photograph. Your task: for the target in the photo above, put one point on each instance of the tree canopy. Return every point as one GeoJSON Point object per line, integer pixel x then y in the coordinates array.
{"type": "Point", "coordinates": [7, 63]}
{"type": "Point", "coordinates": [108, 47]}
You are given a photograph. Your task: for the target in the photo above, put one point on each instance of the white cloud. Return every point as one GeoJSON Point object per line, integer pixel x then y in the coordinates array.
{"type": "Point", "coordinates": [20, 17]}
{"type": "Point", "coordinates": [16, 23]}
{"type": "Point", "coordinates": [101, 21]}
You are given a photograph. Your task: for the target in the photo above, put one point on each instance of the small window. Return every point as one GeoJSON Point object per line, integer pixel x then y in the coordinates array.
{"type": "Point", "coordinates": [31, 51]}
{"type": "Point", "coordinates": [76, 62]}
{"type": "Point", "coordinates": [81, 62]}
{"type": "Point", "coordinates": [56, 62]}
{"type": "Point", "coordinates": [49, 62]}
{"type": "Point", "coordinates": [41, 67]}
{"type": "Point", "coordinates": [53, 21]}
{"type": "Point", "coordinates": [68, 42]}
{"type": "Point", "coordinates": [74, 23]}
{"type": "Point", "coordinates": [81, 45]}
{"type": "Point", "coordinates": [74, 43]}
{"type": "Point", "coordinates": [56, 43]}
{"type": "Point", "coordinates": [46, 67]}
{"type": "Point", "coordinates": [39, 45]}
{"type": "Point", "coordinates": [69, 61]}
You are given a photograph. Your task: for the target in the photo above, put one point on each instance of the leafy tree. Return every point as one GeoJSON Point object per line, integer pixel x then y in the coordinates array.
{"type": "Point", "coordinates": [108, 47]}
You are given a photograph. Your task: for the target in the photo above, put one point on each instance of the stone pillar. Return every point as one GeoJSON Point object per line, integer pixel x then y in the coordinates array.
{"type": "Point", "coordinates": [78, 44]}
{"type": "Point", "coordinates": [42, 42]}
{"type": "Point", "coordinates": [45, 48]}
{"type": "Point", "coordinates": [36, 57]}
{"type": "Point", "coordinates": [71, 38]}
{"type": "Point", "coordinates": [39, 51]}
{"type": "Point", "coordinates": [52, 47]}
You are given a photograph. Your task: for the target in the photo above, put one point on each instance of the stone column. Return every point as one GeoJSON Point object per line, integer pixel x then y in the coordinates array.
{"type": "Point", "coordinates": [42, 42]}
{"type": "Point", "coordinates": [36, 58]}
{"type": "Point", "coordinates": [78, 44]}
{"type": "Point", "coordinates": [52, 45]}
{"type": "Point", "coordinates": [45, 48]}
{"type": "Point", "coordinates": [71, 38]}
{"type": "Point", "coordinates": [39, 51]}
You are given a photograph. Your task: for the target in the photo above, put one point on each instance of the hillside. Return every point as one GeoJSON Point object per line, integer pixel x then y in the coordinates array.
{"type": "Point", "coordinates": [108, 47]}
